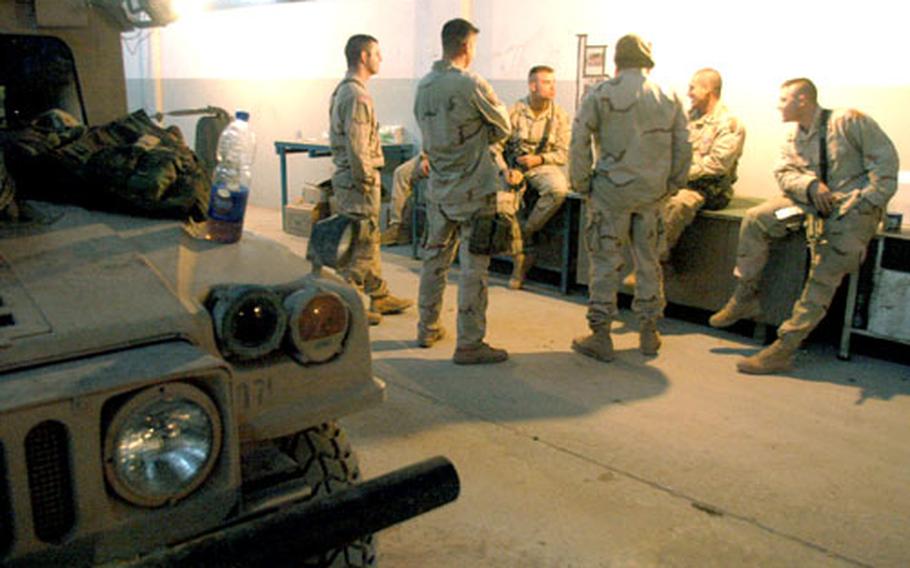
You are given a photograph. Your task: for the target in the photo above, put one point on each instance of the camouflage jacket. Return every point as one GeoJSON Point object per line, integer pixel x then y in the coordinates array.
{"type": "Point", "coordinates": [717, 140]}
{"type": "Point", "coordinates": [860, 156]}
{"type": "Point", "coordinates": [528, 130]}
{"type": "Point", "coordinates": [354, 136]}
{"type": "Point", "coordinates": [460, 117]}
{"type": "Point", "coordinates": [640, 141]}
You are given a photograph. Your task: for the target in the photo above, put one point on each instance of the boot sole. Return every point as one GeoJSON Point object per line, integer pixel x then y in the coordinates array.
{"type": "Point", "coordinates": [393, 311]}
{"type": "Point", "coordinates": [649, 352]}
{"type": "Point", "coordinates": [480, 361]}
{"type": "Point", "coordinates": [720, 324]}
{"type": "Point", "coordinates": [762, 371]}
{"type": "Point", "coordinates": [589, 353]}
{"type": "Point", "coordinates": [428, 342]}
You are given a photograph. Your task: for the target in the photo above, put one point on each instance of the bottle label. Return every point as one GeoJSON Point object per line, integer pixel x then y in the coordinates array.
{"type": "Point", "coordinates": [226, 205]}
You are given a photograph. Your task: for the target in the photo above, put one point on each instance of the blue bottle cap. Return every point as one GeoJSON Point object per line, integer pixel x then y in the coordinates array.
{"type": "Point", "coordinates": [242, 115]}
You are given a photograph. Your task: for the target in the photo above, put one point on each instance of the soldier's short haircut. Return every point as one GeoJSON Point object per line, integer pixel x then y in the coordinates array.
{"type": "Point", "coordinates": [712, 78]}
{"type": "Point", "coordinates": [356, 45]}
{"type": "Point", "coordinates": [803, 87]}
{"type": "Point", "coordinates": [539, 69]}
{"type": "Point", "coordinates": [454, 35]}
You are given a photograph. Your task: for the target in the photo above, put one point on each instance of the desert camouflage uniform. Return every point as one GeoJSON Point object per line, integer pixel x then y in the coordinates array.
{"type": "Point", "coordinates": [717, 142]}
{"type": "Point", "coordinates": [642, 154]}
{"type": "Point", "coordinates": [357, 155]}
{"type": "Point", "coordinates": [548, 179]}
{"type": "Point", "coordinates": [403, 180]}
{"type": "Point", "coordinates": [459, 117]}
{"type": "Point", "coordinates": [862, 174]}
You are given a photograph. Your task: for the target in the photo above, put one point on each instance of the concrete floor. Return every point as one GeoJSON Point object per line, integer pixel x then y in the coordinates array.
{"type": "Point", "coordinates": [669, 461]}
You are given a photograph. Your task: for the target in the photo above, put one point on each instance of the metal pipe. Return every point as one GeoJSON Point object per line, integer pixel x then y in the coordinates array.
{"type": "Point", "coordinates": [322, 524]}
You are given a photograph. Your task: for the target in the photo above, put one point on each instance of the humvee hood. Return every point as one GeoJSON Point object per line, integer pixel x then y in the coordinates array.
{"type": "Point", "coordinates": [90, 282]}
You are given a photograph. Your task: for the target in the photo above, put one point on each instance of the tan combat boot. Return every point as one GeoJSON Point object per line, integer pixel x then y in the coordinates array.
{"type": "Point", "coordinates": [649, 338]}
{"type": "Point", "coordinates": [374, 318]}
{"type": "Point", "coordinates": [520, 267]}
{"type": "Point", "coordinates": [390, 235]}
{"type": "Point", "coordinates": [390, 304]}
{"type": "Point", "coordinates": [598, 345]}
{"type": "Point", "coordinates": [743, 304]}
{"type": "Point", "coordinates": [776, 358]}
{"type": "Point", "coordinates": [429, 338]}
{"type": "Point", "coordinates": [480, 355]}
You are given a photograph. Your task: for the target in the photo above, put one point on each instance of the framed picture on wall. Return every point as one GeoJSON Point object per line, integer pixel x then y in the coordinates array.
{"type": "Point", "coordinates": [595, 60]}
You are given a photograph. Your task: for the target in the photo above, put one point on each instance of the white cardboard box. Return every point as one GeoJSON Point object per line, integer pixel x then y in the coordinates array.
{"type": "Point", "coordinates": [298, 218]}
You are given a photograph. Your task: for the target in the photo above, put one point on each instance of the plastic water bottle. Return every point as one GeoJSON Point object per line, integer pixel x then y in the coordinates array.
{"type": "Point", "coordinates": [231, 180]}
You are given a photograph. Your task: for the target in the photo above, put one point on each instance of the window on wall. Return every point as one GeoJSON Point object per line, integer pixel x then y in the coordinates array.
{"type": "Point", "coordinates": [37, 73]}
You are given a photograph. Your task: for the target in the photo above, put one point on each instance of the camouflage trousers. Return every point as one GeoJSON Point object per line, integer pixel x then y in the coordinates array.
{"type": "Point", "coordinates": [364, 269]}
{"type": "Point", "coordinates": [608, 231]}
{"type": "Point", "coordinates": [402, 188]}
{"type": "Point", "coordinates": [836, 251]}
{"type": "Point", "coordinates": [678, 212]}
{"type": "Point", "coordinates": [447, 227]}
{"type": "Point", "coordinates": [552, 187]}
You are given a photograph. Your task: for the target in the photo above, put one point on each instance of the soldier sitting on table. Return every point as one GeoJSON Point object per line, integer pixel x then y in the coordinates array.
{"type": "Point", "coordinates": [403, 180]}
{"type": "Point", "coordinates": [539, 148]}
{"type": "Point", "coordinates": [841, 186]}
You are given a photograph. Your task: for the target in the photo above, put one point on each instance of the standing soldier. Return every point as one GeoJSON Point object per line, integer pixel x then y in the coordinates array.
{"type": "Point", "coordinates": [357, 155]}
{"type": "Point", "coordinates": [459, 117]}
{"type": "Point", "coordinates": [643, 154]}
{"type": "Point", "coordinates": [539, 147]}
{"type": "Point", "coordinates": [838, 169]}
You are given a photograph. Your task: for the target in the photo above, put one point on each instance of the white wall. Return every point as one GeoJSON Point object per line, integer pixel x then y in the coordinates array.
{"type": "Point", "coordinates": [240, 57]}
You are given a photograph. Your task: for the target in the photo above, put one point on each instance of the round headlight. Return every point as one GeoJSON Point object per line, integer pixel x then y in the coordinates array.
{"type": "Point", "coordinates": [162, 444]}
{"type": "Point", "coordinates": [249, 322]}
{"type": "Point", "coordinates": [318, 323]}
{"type": "Point", "coordinates": [331, 240]}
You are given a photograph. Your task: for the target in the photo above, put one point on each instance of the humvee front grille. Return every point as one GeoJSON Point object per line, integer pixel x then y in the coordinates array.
{"type": "Point", "coordinates": [47, 457]}
{"type": "Point", "coordinates": [6, 513]}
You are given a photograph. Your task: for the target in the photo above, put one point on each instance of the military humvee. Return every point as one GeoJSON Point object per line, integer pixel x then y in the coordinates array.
{"type": "Point", "coordinates": [165, 400]}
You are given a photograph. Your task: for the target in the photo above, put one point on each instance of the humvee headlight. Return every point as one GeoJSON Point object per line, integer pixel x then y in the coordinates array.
{"type": "Point", "coordinates": [162, 444]}
{"type": "Point", "coordinates": [249, 321]}
{"type": "Point", "coordinates": [318, 323]}
{"type": "Point", "coordinates": [331, 240]}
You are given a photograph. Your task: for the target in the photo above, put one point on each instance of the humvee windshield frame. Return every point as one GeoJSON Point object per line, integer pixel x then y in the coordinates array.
{"type": "Point", "coordinates": [37, 73]}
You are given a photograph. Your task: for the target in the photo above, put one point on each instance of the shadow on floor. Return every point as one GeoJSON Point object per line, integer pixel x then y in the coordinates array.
{"type": "Point", "coordinates": [530, 386]}
{"type": "Point", "coordinates": [819, 363]}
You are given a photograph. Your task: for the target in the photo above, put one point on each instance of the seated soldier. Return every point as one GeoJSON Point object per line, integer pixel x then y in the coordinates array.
{"type": "Point", "coordinates": [539, 147]}
{"type": "Point", "coordinates": [841, 187]}
{"type": "Point", "coordinates": [403, 180]}
{"type": "Point", "coordinates": [717, 139]}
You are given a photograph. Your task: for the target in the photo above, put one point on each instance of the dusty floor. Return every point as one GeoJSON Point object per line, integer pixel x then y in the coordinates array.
{"type": "Point", "coordinates": [672, 461]}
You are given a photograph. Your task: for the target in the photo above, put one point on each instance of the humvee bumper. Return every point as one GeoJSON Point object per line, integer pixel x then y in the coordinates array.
{"type": "Point", "coordinates": [301, 529]}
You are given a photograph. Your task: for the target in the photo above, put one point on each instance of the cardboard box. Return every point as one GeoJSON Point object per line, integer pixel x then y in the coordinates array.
{"type": "Point", "coordinates": [298, 218]}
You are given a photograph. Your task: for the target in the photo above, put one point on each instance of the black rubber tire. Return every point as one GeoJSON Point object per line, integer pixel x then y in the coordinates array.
{"type": "Point", "coordinates": [328, 464]}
